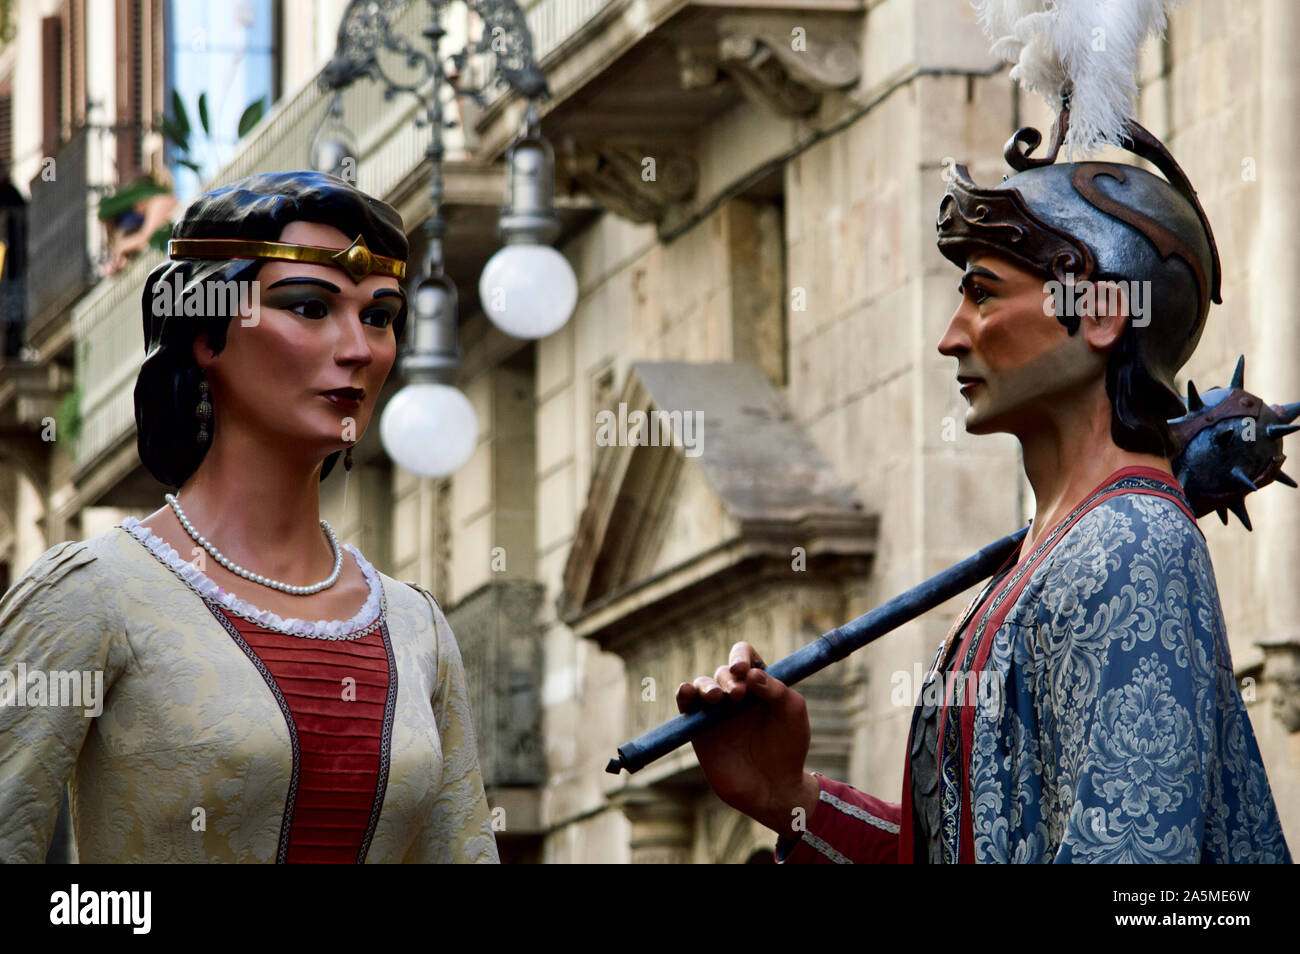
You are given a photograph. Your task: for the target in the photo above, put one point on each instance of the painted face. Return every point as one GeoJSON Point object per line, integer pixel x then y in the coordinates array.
{"type": "Point", "coordinates": [314, 331]}
{"type": "Point", "coordinates": [1014, 358]}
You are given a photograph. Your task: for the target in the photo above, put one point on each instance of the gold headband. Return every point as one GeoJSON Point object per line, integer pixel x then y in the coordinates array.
{"type": "Point", "coordinates": [357, 260]}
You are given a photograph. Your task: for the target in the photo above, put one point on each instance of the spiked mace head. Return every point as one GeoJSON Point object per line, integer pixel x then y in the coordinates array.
{"type": "Point", "coordinates": [1231, 445]}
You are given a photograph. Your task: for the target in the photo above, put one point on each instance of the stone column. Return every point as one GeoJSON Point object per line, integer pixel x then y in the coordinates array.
{"type": "Point", "coordinates": [662, 825]}
{"type": "Point", "coordinates": [1276, 377]}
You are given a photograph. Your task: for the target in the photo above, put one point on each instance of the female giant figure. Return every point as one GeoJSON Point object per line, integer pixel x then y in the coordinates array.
{"type": "Point", "coordinates": [264, 697]}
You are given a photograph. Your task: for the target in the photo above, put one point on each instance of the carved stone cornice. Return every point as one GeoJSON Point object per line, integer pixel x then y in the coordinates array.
{"type": "Point", "coordinates": [698, 65]}
{"type": "Point", "coordinates": [783, 70]}
{"type": "Point", "coordinates": [651, 100]}
{"type": "Point", "coordinates": [1282, 671]}
{"type": "Point", "coordinates": [621, 620]}
{"type": "Point", "coordinates": [637, 180]}
{"type": "Point", "coordinates": [662, 824]}
{"type": "Point", "coordinates": [30, 392]}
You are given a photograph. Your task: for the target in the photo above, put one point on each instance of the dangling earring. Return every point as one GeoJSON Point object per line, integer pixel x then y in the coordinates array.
{"type": "Point", "coordinates": [204, 411]}
{"type": "Point", "coordinates": [347, 476]}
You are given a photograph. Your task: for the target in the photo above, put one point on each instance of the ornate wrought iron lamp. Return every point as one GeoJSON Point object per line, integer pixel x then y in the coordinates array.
{"type": "Point", "coordinates": [528, 290]}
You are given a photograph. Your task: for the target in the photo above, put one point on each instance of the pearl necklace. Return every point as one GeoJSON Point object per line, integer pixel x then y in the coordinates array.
{"type": "Point", "coordinates": [255, 577]}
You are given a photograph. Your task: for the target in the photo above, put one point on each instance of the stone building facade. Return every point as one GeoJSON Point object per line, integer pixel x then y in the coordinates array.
{"type": "Point", "coordinates": [748, 193]}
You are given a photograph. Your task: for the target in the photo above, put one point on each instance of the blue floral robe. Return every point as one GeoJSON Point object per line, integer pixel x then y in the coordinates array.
{"type": "Point", "coordinates": [1103, 722]}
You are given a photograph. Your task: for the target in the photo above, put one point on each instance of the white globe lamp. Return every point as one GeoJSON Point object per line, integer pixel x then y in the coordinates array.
{"type": "Point", "coordinates": [527, 288]}
{"type": "Point", "coordinates": [528, 291]}
{"type": "Point", "coordinates": [429, 427]}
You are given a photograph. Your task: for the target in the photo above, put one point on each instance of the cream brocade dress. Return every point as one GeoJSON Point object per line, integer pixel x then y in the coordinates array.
{"type": "Point", "coordinates": [189, 722]}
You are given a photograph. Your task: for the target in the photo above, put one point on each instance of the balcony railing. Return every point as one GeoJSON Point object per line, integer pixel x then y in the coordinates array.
{"type": "Point", "coordinates": [550, 22]}
{"type": "Point", "coordinates": [554, 21]}
{"type": "Point", "coordinates": [501, 649]}
{"type": "Point", "coordinates": [110, 348]}
{"type": "Point", "coordinates": [59, 218]}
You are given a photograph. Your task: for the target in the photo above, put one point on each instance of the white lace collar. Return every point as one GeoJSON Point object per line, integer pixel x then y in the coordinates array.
{"type": "Point", "coordinates": [189, 573]}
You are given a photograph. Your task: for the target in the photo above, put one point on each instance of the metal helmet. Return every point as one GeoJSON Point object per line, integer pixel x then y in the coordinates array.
{"type": "Point", "coordinates": [1098, 221]}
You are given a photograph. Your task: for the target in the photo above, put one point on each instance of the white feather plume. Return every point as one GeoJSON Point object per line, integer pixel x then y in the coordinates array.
{"type": "Point", "coordinates": [1086, 47]}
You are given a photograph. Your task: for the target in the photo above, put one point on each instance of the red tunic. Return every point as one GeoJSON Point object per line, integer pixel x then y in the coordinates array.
{"type": "Point", "coordinates": [338, 698]}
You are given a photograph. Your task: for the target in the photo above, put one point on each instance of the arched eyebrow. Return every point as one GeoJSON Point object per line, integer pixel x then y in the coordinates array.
{"type": "Point", "coordinates": [331, 287]}
{"type": "Point", "coordinates": [305, 280]}
{"type": "Point", "coordinates": [980, 271]}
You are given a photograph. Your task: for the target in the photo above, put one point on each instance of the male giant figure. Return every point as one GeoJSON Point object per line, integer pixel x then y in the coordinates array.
{"type": "Point", "coordinates": [1107, 725]}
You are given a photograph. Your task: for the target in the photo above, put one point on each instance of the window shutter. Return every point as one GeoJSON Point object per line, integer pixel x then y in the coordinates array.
{"type": "Point", "coordinates": [51, 84]}
{"type": "Point", "coordinates": [130, 55]}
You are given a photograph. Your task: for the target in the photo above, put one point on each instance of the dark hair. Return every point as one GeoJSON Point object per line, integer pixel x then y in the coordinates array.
{"type": "Point", "coordinates": [256, 207]}
{"type": "Point", "coordinates": [1140, 406]}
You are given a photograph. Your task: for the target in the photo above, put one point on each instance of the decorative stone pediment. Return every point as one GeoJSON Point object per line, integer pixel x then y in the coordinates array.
{"type": "Point", "coordinates": [703, 481]}
{"type": "Point", "coordinates": [720, 522]}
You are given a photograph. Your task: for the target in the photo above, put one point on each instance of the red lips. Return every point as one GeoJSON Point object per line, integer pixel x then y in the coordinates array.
{"type": "Point", "coordinates": [349, 398]}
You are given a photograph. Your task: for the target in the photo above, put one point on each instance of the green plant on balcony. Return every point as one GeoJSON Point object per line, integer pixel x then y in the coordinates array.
{"type": "Point", "coordinates": [67, 416]}
{"type": "Point", "coordinates": [8, 28]}
{"type": "Point", "coordinates": [176, 127]}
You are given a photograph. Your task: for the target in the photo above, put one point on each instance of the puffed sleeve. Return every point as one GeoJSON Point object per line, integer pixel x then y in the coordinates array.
{"type": "Point", "coordinates": [1134, 688]}
{"type": "Point", "coordinates": [848, 826]}
{"type": "Point", "coordinates": [62, 646]}
{"type": "Point", "coordinates": [460, 828]}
